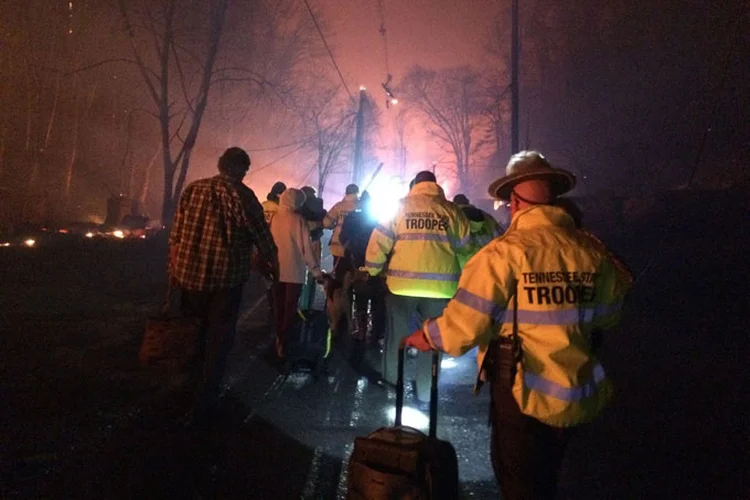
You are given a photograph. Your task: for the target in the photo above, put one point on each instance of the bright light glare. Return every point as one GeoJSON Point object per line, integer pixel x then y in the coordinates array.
{"type": "Point", "coordinates": [30, 242]}
{"type": "Point", "coordinates": [394, 101]}
{"type": "Point", "coordinates": [5, 244]}
{"type": "Point", "coordinates": [448, 363]}
{"type": "Point", "coordinates": [362, 87]}
{"type": "Point", "coordinates": [89, 235]}
{"type": "Point", "coordinates": [410, 417]}
{"type": "Point", "coordinates": [118, 234]}
{"type": "Point", "coordinates": [498, 204]}
{"type": "Point", "coordinates": [386, 192]}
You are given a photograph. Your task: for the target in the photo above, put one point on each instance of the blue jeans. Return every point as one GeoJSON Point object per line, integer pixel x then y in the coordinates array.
{"type": "Point", "coordinates": [404, 316]}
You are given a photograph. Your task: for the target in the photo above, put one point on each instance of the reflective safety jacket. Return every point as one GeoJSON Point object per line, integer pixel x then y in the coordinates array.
{"type": "Point", "coordinates": [335, 220]}
{"type": "Point", "coordinates": [565, 286]}
{"type": "Point", "coordinates": [270, 208]}
{"type": "Point", "coordinates": [484, 227]}
{"type": "Point", "coordinates": [423, 241]}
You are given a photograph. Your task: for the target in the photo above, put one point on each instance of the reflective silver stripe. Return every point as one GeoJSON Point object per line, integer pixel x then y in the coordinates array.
{"type": "Point", "coordinates": [479, 304]}
{"type": "Point", "coordinates": [423, 276]}
{"type": "Point", "coordinates": [424, 237]}
{"type": "Point", "coordinates": [374, 265]}
{"type": "Point", "coordinates": [385, 231]}
{"type": "Point", "coordinates": [563, 317]}
{"type": "Point", "coordinates": [433, 330]}
{"type": "Point", "coordinates": [463, 242]}
{"type": "Point", "coordinates": [557, 391]}
{"type": "Point", "coordinates": [558, 317]}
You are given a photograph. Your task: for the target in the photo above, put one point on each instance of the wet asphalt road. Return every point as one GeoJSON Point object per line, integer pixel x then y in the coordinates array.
{"type": "Point", "coordinates": [82, 420]}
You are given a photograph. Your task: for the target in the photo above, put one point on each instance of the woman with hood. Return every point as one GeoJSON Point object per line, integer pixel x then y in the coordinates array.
{"type": "Point", "coordinates": [292, 236]}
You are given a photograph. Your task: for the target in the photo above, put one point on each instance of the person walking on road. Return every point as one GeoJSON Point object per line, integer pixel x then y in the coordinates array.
{"type": "Point", "coordinates": [313, 212]}
{"type": "Point", "coordinates": [355, 235]}
{"type": "Point", "coordinates": [484, 227]}
{"type": "Point", "coordinates": [420, 247]}
{"type": "Point", "coordinates": [217, 224]}
{"type": "Point", "coordinates": [271, 205]}
{"type": "Point", "coordinates": [535, 302]}
{"type": "Point", "coordinates": [292, 236]}
{"type": "Point", "coordinates": [335, 220]}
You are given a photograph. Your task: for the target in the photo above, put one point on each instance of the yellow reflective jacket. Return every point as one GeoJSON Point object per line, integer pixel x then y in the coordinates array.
{"type": "Point", "coordinates": [423, 242]}
{"type": "Point", "coordinates": [335, 220]}
{"type": "Point", "coordinates": [270, 208]}
{"type": "Point", "coordinates": [566, 286]}
{"type": "Point", "coordinates": [484, 228]}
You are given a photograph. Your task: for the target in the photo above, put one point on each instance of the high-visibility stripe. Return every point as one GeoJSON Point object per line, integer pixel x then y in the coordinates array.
{"type": "Point", "coordinates": [385, 232]}
{"type": "Point", "coordinates": [423, 276]}
{"type": "Point", "coordinates": [433, 330]}
{"type": "Point", "coordinates": [562, 317]}
{"type": "Point", "coordinates": [479, 304]}
{"type": "Point", "coordinates": [463, 242]}
{"type": "Point", "coordinates": [557, 391]}
{"type": "Point", "coordinates": [424, 237]}
{"type": "Point", "coordinates": [374, 265]}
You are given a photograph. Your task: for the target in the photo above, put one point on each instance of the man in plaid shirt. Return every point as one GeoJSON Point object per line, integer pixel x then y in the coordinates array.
{"type": "Point", "coordinates": [218, 222]}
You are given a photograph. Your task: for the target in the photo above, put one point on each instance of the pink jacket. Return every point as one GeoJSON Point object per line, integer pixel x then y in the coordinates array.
{"type": "Point", "coordinates": [292, 237]}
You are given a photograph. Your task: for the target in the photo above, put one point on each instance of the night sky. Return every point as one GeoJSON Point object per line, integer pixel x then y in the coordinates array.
{"type": "Point", "coordinates": [614, 92]}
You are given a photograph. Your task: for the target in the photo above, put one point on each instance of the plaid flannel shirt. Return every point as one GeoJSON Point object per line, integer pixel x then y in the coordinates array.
{"type": "Point", "coordinates": [218, 221]}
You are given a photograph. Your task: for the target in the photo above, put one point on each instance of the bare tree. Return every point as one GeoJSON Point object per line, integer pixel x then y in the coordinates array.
{"type": "Point", "coordinates": [327, 119]}
{"type": "Point", "coordinates": [182, 51]}
{"type": "Point", "coordinates": [400, 149]}
{"type": "Point", "coordinates": [80, 114]}
{"type": "Point", "coordinates": [451, 101]}
{"type": "Point", "coordinates": [193, 72]}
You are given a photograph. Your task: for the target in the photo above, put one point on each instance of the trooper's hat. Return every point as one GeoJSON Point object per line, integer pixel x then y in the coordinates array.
{"type": "Point", "coordinates": [528, 165]}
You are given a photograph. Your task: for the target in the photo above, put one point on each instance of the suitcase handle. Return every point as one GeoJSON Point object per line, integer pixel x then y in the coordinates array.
{"type": "Point", "coordinates": [433, 388]}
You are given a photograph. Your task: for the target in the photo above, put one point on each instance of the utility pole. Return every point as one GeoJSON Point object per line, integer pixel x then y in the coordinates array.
{"type": "Point", "coordinates": [359, 138]}
{"type": "Point", "coordinates": [514, 125]}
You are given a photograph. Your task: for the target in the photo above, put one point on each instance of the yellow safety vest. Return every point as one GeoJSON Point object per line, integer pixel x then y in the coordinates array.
{"type": "Point", "coordinates": [269, 210]}
{"type": "Point", "coordinates": [423, 242]}
{"type": "Point", "coordinates": [482, 231]}
{"type": "Point", "coordinates": [566, 286]}
{"type": "Point", "coordinates": [335, 220]}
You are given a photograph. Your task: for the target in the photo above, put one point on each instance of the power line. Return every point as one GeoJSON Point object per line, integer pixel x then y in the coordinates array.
{"type": "Point", "coordinates": [280, 146]}
{"type": "Point", "coordinates": [309, 172]}
{"type": "Point", "coordinates": [323, 38]}
{"type": "Point", "coordinates": [256, 170]}
{"type": "Point", "coordinates": [381, 7]}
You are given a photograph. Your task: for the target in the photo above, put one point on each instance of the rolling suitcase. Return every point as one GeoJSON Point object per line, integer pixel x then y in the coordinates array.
{"type": "Point", "coordinates": [401, 462]}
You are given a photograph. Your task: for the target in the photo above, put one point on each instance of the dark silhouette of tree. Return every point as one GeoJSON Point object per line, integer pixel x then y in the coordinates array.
{"type": "Point", "coordinates": [451, 102]}
{"type": "Point", "coordinates": [327, 119]}
{"type": "Point", "coordinates": [183, 53]}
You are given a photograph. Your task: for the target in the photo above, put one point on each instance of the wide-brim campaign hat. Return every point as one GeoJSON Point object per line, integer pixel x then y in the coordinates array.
{"type": "Point", "coordinates": [528, 165]}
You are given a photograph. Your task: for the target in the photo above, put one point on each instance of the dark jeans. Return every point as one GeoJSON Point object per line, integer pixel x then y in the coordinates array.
{"type": "Point", "coordinates": [218, 312]}
{"type": "Point", "coordinates": [526, 454]}
{"type": "Point", "coordinates": [285, 302]}
{"type": "Point", "coordinates": [399, 309]}
{"type": "Point", "coordinates": [374, 293]}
